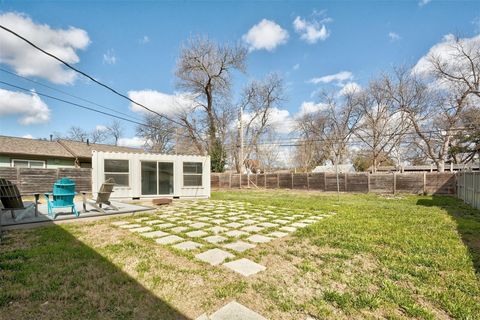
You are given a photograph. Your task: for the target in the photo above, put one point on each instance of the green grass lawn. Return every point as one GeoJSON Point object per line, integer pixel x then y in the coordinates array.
{"type": "Point", "coordinates": [403, 257]}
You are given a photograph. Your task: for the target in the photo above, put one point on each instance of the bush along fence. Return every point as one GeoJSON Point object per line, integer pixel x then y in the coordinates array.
{"type": "Point", "coordinates": [415, 183]}
{"type": "Point", "coordinates": [31, 180]}
{"type": "Point", "coordinates": [468, 188]}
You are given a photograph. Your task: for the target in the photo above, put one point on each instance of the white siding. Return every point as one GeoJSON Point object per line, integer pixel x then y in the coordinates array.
{"type": "Point", "coordinates": [134, 189]}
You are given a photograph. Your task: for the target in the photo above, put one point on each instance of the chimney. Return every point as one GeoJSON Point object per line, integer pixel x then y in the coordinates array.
{"type": "Point", "coordinates": [51, 137]}
{"type": "Point", "coordinates": [88, 142]}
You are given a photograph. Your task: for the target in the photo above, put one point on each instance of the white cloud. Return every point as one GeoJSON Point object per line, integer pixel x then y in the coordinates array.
{"type": "Point", "coordinates": [296, 67]}
{"type": "Point", "coordinates": [28, 61]}
{"type": "Point", "coordinates": [445, 51]}
{"type": "Point", "coordinates": [393, 36]}
{"type": "Point", "coordinates": [281, 120]}
{"type": "Point", "coordinates": [101, 127]}
{"type": "Point", "coordinates": [134, 142]}
{"type": "Point", "coordinates": [144, 40]}
{"type": "Point", "coordinates": [28, 136]}
{"type": "Point", "coordinates": [311, 107]}
{"type": "Point", "coordinates": [160, 102]}
{"type": "Point", "coordinates": [265, 35]}
{"type": "Point", "coordinates": [421, 3]}
{"type": "Point", "coordinates": [350, 87]}
{"type": "Point", "coordinates": [30, 108]}
{"type": "Point", "coordinates": [109, 57]}
{"type": "Point", "coordinates": [337, 77]}
{"type": "Point", "coordinates": [310, 31]}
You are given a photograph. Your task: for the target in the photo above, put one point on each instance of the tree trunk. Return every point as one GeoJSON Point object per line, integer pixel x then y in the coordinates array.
{"type": "Point", "coordinates": [441, 166]}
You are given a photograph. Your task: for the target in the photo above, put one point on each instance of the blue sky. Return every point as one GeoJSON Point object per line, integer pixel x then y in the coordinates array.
{"type": "Point", "coordinates": [133, 46]}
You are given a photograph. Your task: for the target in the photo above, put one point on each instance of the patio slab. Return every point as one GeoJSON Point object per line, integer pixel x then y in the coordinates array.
{"type": "Point", "coordinates": [215, 239]}
{"type": "Point", "coordinates": [198, 225]}
{"type": "Point", "coordinates": [141, 229]}
{"type": "Point", "coordinates": [179, 229]}
{"type": "Point", "coordinates": [234, 225]}
{"type": "Point", "coordinates": [217, 229]}
{"type": "Point", "coordinates": [196, 234]}
{"type": "Point", "coordinates": [214, 256]}
{"type": "Point", "coordinates": [154, 234]}
{"type": "Point", "coordinates": [169, 239]}
{"type": "Point", "coordinates": [188, 245]}
{"type": "Point", "coordinates": [268, 224]}
{"type": "Point", "coordinates": [239, 246]}
{"type": "Point", "coordinates": [299, 224]}
{"type": "Point", "coordinates": [164, 225]}
{"type": "Point", "coordinates": [277, 234]}
{"type": "Point", "coordinates": [288, 229]}
{"type": "Point", "coordinates": [245, 267]}
{"type": "Point", "coordinates": [236, 233]}
{"type": "Point", "coordinates": [256, 238]}
{"type": "Point", "coordinates": [252, 229]}
{"type": "Point", "coordinates": [119, 223]}
{"type": "Point", "coordinates": [235, 311]}
{"type": "Point", "coordinates": [130, 226]}
{"type": "Point", "coordinates": [151, 222]}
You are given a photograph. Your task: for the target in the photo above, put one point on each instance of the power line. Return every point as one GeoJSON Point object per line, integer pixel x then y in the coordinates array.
{"type": "Point", "coordinates": [69, 94]}
{"type": "Point", "coordinates": [87, 76]}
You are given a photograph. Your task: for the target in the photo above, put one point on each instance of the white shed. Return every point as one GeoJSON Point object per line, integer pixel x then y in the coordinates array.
{"type": "Point", "coordinates": [147, 175]}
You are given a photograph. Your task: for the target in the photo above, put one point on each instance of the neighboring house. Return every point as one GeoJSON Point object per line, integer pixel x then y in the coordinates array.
{"type": "Point", "coordinates": [33, 153]}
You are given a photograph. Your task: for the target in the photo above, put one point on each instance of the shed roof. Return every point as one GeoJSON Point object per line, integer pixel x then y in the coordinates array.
{"type": "Point", "coordinates": [84, 150]}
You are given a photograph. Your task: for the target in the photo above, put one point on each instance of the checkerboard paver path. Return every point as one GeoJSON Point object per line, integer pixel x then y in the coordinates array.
{"type": "Point", "coordinates": [219, 230]}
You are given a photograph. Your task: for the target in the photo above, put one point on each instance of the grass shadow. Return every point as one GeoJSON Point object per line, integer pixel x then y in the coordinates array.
{"type": "Point", "coordinates": [47, 273]}
{"type": "Point", "coordinates": [467, 219]}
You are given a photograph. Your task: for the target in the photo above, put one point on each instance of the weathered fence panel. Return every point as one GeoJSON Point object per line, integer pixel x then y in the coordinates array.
{"type": "Point", "coordinates": [31, 180]}
{"type": "Point", "coordinates": [468, 188]}
{"type": "Point", "coordinates": [439, 183]}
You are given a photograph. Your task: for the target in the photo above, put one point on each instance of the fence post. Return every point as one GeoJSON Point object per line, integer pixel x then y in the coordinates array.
{"type": "Point", "coordinates": [394, 183]}
{"type": "Point", "coordinates": [278, 180]}
{"type": "Point", "coordinates": [368, 182]}
{"type": "Point", "coordinates": [325, 181]}
{"type": "Point", "coordinates": [424, 182]}
{"type": "Point", "coordinates": [292, 180]}
{"type": "Point", "coordinates": [308, 182]}
{"type": "Point", "coordinates": [346, 187]}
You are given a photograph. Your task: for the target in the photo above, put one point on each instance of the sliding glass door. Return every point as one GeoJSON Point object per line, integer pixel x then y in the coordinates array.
{"type": "Point", "coordinates": [157, 178]}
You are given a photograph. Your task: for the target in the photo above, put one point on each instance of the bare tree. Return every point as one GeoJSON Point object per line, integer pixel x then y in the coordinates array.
{"type": "Point", "coordinates": [382, 128]}
{"type": "Point", "coordinates": [258, 101]}
{"type": "Point", "coordinates": [98, 135]}
{"type": "Point", "coordinates": [115, 130]}
{"type": "Point", "coordinates": [158, 133]}
{"type": "Point", "coordinates": [77, 134]}
{"type": "Point", "coordinates": [204, 70]}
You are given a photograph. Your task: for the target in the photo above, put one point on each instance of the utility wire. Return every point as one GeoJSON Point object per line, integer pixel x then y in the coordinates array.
{"type": "Point", "coordinates": [69, 94]}
{"type": "Point", "coordinates": [87, 76]}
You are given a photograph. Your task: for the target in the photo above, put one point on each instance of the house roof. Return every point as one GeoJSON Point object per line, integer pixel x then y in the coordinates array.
{"type": "Point", "coordinates": [84, 150]}
{"type": "Point", "coordinates": [59, 148]}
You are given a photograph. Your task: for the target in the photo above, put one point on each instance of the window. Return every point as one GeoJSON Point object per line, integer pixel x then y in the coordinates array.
{"type": "Point", "coordinates": [28, 163]}
{"type": "Point", "coordinates": [192, 174]}
{"type": "Point", "coordinates": [118, 170]}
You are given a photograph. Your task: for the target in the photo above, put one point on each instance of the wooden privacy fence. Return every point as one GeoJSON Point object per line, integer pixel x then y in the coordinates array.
{"type": "Point", "coordinates": [468, 188]}
{"type": "Point", "coordinates": [31, 180]}
{"type": "Point", "coordinates": [422, 182]}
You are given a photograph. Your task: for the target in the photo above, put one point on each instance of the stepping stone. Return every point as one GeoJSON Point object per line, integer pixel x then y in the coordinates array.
{"type": "Point", "coordinates": [179, 229]}
{"type": "Point", "coordinates": [130, 226]}
{"type": "Point", "coordinates": [204, 219]}
{"type": "Point", "coordinates": [186, 221]}
{"type": "Point", "coordinates": [268, 224]}
{"type": "Point", "coordinates": [233, 218]}
{"type": "Point", "coordinates": [141, 229]}
{"type": "Point", "coordinates": [261, 218]}
{"type": "Point", "coordinates": [259, 238]}
{"type": "Point", "coordinates": [119, 223]}
{"type": "Point", "coordinates": [215, 239]}
{"type": "Point", "coordinates": [277, 234]}
{"type": "Point", "coordinates": [288, 229]}
{"type": "Point", "coordinates": [153, 222]}
{"type": "Point", "coordinates": [173, 219]}
{"type": "Point", "coordinates": [188, 245]}
{"type": "Point", "coordinates": [234, 225]}
{"type": "Point", "coordinates": [245, 267]}
{"type": "Point", "coordinates": [169, 239]}
{"type": "Point", "coordinates": [164, 225]}
{"type": "Point", "coordinates": [218, 215]}
{"type": "Point", "coordinates": [236, 233]}
{"type": "Point", "coordinates": [154, 234]}
{"type": "Point", "coordinates": [248, 221]}
{"type": "Point", "coordinates": [252, 229]}
{"type": "Point", "coordinates": [281, 221]}
{"type": "Point", "coordinates": [141, 219]}
{"type": "Point", "coordinates": [217, 229]}
{"type": "Point", "coordinates": [239, 246]}
{"type": "Point", "coordinates": [214, 256]}
{"type": "Point", "coordinates": [202, 317]}
{"type": "Point", "coordinates": [218, 221]}
{"type": "Point", "coordinates": [299, 224]}
{"type": "Point", "coordinates": [196, 234]}
{"type": "Point", "coordinates": [199, 225]}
